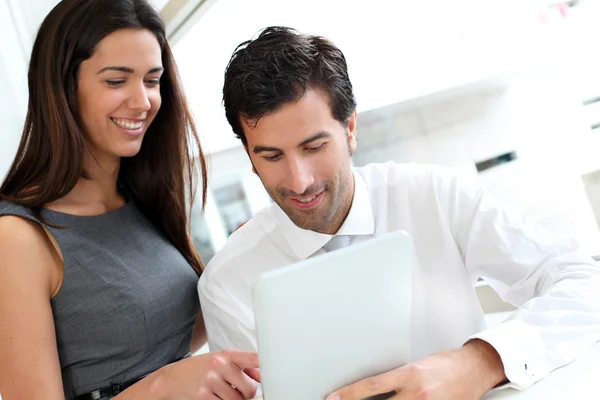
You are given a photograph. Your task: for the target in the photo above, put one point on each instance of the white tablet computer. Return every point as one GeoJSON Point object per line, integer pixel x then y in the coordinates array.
{"type": "Point", "coordinates": [334, 319]}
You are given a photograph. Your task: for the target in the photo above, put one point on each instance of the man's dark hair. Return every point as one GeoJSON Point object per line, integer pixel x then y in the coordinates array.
{"type": "Point", "coordinates": [277, 68]}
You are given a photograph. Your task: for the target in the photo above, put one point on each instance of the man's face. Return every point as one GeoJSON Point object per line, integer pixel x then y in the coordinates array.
{"type": "Point", "coordinates": [302, 155]}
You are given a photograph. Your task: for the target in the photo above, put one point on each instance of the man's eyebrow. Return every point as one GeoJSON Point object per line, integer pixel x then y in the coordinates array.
{"type": "Point", "coordinates": [318, 136]}
{"type": "Point", "coordinates": [260, 149]}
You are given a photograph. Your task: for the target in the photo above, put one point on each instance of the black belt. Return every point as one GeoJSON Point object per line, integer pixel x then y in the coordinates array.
{"type": "Point", "coordinates": [110, 391]}
{"type": "Point", "coordinates": [107, 392]}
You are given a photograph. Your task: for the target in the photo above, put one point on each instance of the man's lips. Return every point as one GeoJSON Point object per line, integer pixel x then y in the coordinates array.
{"type": "Point", "coordinates": [307, 202]}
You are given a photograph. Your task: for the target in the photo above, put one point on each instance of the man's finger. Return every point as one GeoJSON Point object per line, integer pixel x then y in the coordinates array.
{"type": "Point", "coordinates": [380, 384]}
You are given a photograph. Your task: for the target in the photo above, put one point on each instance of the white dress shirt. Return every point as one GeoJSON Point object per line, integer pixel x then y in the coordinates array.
{"type": "Point", "coordinates": [459, 234]}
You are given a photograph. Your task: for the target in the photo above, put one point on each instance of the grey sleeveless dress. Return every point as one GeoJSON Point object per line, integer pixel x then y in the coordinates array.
{"type": "Point", "coordinates": [128, 302]}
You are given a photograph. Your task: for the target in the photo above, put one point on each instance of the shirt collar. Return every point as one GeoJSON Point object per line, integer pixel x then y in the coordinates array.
{"type": "Point", "coordinates": [359, 221]}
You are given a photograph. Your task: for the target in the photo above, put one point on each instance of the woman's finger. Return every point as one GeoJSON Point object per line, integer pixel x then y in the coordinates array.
{"type": "Point", "coordinates": [242, 382]}
{"type": "Point", "coordinates": [225, 392]}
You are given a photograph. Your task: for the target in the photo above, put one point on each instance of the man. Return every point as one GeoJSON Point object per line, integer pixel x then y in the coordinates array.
{"type": "Point", "coordinates": [288, 98]}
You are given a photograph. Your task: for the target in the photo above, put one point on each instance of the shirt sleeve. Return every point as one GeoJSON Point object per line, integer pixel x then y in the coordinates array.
{"type": "Point", "coordinates": [225, 318]}
{"type": "Point", "coordinates": [555, 285]}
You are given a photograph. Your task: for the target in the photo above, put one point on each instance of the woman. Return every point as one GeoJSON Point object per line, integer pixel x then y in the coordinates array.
{"type": "Point", "coordinates": [97, 271]}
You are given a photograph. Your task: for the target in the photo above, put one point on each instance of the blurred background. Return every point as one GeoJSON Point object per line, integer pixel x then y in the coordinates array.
{"type": "Point", "coordinates": [505, 90]}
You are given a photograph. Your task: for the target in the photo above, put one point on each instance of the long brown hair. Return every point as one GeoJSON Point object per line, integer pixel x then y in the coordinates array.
{"type": "Point", "coordinates": [49, 161]}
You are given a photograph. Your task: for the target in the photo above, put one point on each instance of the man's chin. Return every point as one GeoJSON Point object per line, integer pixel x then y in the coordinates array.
{"type": "Point", "coordinates": [312, 223]}
{"type": "Point", "coordinates": [304, 224]}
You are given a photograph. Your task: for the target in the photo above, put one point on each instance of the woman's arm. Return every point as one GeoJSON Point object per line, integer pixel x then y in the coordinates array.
{"type": "Point", "coordinates": [30, 273]}
{"type": "Point", "coordinates": [226, 375]}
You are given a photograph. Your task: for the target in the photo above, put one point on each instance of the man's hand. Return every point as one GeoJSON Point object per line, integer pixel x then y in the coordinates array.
{"type": "Point", "coordinates": [466, 373]}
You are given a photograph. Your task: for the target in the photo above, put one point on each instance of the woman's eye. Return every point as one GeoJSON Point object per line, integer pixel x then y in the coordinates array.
{"type": "Point", "coordinates": [115, 83]}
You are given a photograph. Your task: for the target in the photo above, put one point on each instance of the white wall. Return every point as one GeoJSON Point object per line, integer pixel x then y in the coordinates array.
{"type": "Point", "coordinates": [547, 132]}
{"type": "Point", "coordinates": [13, 86]}
{"type": "Point", "coordinates": [19, 22]}
{"type": "Point", "coordinates": [11, 118]}
{"type": "Point", "coordinates": [28, 15]}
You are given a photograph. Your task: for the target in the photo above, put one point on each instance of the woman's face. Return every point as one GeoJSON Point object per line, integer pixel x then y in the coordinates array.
{"type": "Point", "coordinates": [119, 93]}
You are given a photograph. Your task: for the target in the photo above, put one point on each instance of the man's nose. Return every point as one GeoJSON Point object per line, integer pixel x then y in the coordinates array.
{"type": "Point", "coordinates": [300, 175]}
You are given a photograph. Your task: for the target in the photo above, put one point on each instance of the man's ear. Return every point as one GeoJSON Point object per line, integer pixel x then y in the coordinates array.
{"type": "Point", "coordinates": [352, 131]}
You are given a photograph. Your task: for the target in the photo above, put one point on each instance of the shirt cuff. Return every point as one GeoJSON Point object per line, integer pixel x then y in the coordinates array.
{"type": "Point", "coordinates": [521, 349]}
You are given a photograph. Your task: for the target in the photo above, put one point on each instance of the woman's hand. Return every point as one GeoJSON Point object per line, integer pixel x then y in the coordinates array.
{"type": "Point", "coordinates": [222, 375]}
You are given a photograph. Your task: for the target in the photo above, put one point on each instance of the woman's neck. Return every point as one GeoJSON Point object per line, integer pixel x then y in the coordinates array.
{"type": "Point", "coordinates": [96, 194]}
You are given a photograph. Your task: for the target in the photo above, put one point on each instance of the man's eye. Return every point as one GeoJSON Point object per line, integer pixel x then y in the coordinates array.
{"type": "Point", "coordinates": [273, 157]}
{"type": "Point", "coordinates": [315, 148]}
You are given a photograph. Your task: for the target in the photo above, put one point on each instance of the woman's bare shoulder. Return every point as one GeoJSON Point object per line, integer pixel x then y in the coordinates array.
{"type": "Point", "coordinates": [27, 250]}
